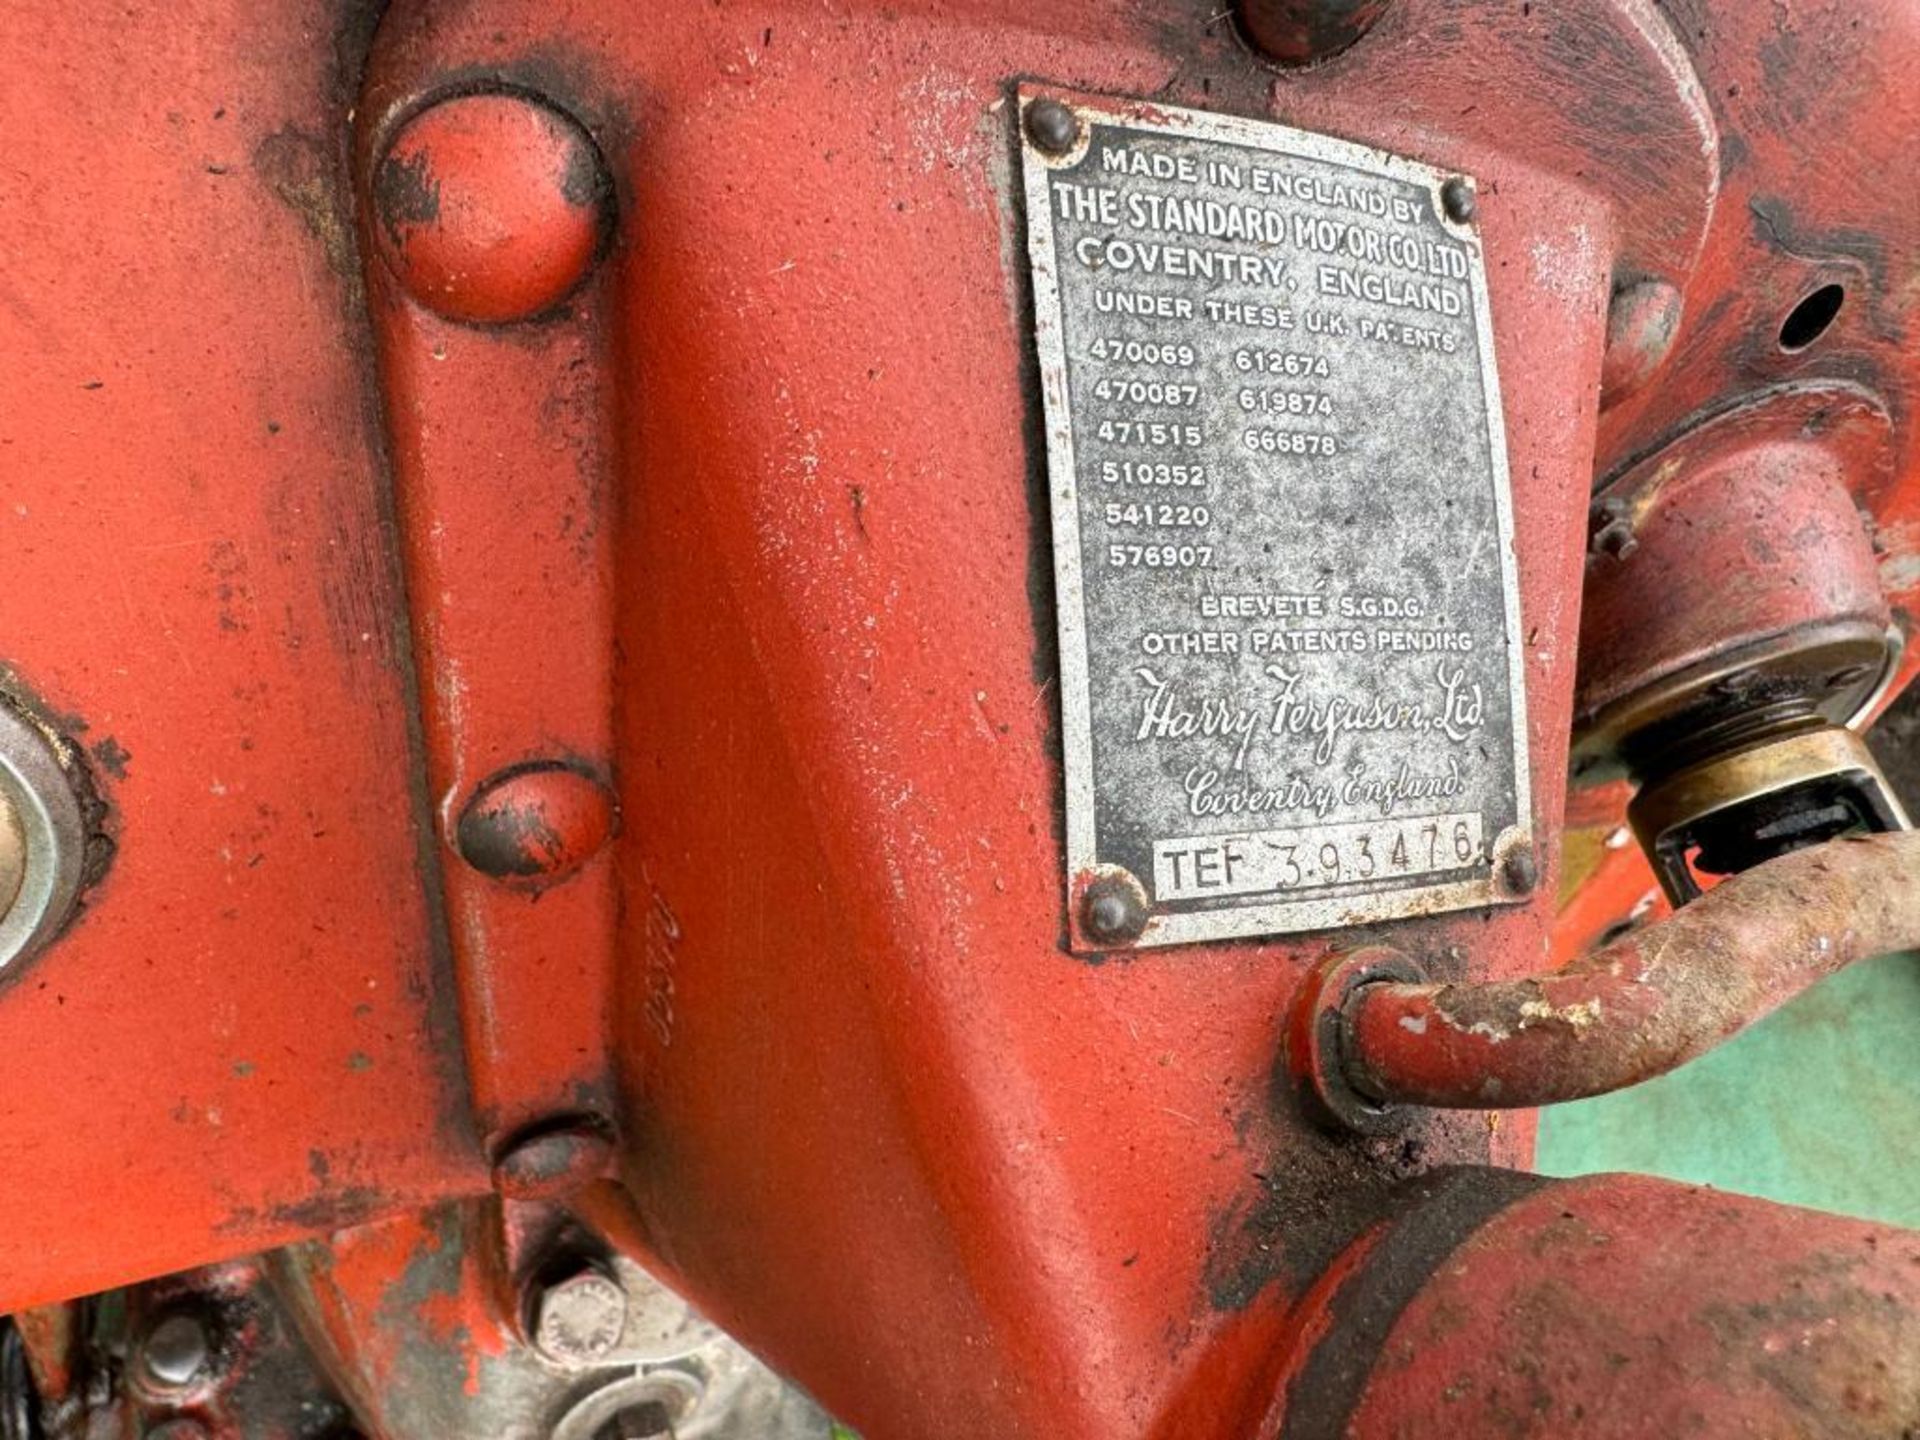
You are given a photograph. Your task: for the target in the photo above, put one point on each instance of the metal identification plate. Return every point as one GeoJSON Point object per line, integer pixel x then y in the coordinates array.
{"type": "Point", "coordinates": [1291, 682]}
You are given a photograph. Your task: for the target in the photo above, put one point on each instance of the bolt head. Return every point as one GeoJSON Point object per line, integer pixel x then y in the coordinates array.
{"type": "Point", "coordinates": [490, 208]}
{"type": "Point", "coordinates": [1462, 205]}
{"type": "Point", "coordinates": [1114, 910]}
{"type": "Point", "coordinates": [1052, 126]}
{"type": "Point", "coordinates": [578, 1321]}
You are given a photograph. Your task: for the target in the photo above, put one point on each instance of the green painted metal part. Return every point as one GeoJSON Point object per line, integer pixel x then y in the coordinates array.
{"type": "Point", "coordinates": [1817, 1105]}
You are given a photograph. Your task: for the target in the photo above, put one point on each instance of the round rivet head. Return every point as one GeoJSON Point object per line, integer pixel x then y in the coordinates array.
{"type": "Point", "coordinates": [535, 823]}
{"type": "Point", "coordinates": [490, 208]}
{"type": "Point", "coordinates": [1520, 872]}
{"type": "Point", "coordinates": [1305, 32]}
{"type": "Point", "coordinates": [1113, 910]}
{"type": "Point", "coordinates": [1052, 126]}
{"type": "Point", "coordinates": [1459, 200]}
{"type": "Point", "coordinates": [553, 1160]}
{"type": "Point", "coordinates": [175, 1352]}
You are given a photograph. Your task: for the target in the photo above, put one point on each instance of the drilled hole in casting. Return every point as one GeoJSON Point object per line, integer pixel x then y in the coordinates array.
{"type": "Point", "coordinates": [1811, 317]}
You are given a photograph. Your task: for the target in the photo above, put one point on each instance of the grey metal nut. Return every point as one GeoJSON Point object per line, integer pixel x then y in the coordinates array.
{"type": "Point", "coordinates": [45, 836]}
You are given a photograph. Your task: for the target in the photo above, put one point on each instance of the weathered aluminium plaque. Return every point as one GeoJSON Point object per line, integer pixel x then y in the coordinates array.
{"type": "Point", "coordinates": [1291, 678]}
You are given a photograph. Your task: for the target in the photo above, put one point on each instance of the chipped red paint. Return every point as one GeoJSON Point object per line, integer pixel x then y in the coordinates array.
{"type": "Point", "coordinates": [488, 207]}
{"type": "Point", "coordinates": [502, 475]}
{"type": "Point", "coordinates": [536, 824]}
{"type": "Point", "coordinates": [416, 1319]}
{"type": "Point", "coordinates": [1612, 1308]}
{"type": "Point", "coordinates": [249, 1033]}
{"type": "Point", "coordinates": [740, 510]}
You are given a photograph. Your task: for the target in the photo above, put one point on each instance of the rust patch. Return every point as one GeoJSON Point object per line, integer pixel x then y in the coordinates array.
{"type": "Point", "coordinates": [302, 170]}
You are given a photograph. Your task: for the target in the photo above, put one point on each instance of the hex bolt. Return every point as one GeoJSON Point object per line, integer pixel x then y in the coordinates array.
{"type": "Point", "coordinates": [578, 1320]}
{"type": "Point", "coordinates": [1519, 871]}
{"type": "Point", "coordinates": [1611, 522]}
{"type": "Point", "coordinates": [1114, 909]}
{"type": "Point", "coordinates": [1052, 126]}
{"type": "Point", "coordinates": [1460, 201]}
{"type": "Point", "coordinates": [176, 1351]}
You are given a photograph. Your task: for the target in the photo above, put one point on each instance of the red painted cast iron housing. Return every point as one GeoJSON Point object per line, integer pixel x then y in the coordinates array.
{"type": "Point", "coordinates": [532, 520]}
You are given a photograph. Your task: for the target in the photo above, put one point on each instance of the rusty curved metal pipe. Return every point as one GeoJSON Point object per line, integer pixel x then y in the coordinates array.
{"type": "Point", "coordinates": [1647, 1003]}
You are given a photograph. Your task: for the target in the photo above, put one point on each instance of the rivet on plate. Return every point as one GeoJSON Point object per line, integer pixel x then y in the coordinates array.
{"type": "Point", "coordinates": [1052, 126]}
{"type": "Point", "coordinates": [1113, 910]}
{"type": "Point", "coordinates": [1519, 872]}
{"type": "Point", "coordinates": [1462, 205]}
